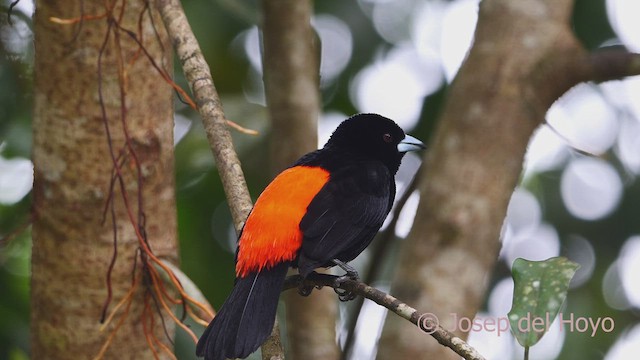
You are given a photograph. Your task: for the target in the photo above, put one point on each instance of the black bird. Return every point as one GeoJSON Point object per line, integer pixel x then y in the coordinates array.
{"type": "Point", "coordinates": [322, 211]}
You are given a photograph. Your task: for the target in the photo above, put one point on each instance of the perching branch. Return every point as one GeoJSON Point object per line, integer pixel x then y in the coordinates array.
{"type": "Point", "coordinates": [198, 75]}
{"type": "Point", "coordinates": [197, 72]}
{"type": "Point", "coordinates": [424, 321]}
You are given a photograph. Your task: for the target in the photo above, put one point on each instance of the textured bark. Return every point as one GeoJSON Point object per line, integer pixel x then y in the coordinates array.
{"type": "Point", "coordinates": [291, 84]}
{"type": "Point", "coordinates": [73, 168]}
{"type": "Point", "coordinates": [290, 79]}
{"type": "Point", "coordinates": [522, 60]}
{"type": "Point", "coordinates": [198, 74]}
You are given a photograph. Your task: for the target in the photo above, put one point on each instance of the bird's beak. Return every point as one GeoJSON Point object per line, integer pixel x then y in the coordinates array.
{"type": "Point", "coordinates": [409, 143]}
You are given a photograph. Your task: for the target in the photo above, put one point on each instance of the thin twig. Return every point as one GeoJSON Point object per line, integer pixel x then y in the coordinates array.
{"type": "Point", "coordinates": [199, 78]}
{"type": "Point", "coordinates": [424, 321]}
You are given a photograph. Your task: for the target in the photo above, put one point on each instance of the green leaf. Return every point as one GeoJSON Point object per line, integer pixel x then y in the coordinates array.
{"type": "Point", "coordinates": [540, 288]}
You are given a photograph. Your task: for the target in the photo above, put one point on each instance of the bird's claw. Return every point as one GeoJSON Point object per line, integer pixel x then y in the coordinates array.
{"type": "Point", "coordinates": [351, 272]}
{"type": "Point", "coordinates": [344, 295]}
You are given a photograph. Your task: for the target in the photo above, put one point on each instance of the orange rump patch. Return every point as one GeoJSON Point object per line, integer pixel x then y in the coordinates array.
{"type": "Point", "coordinates": [272, 233]}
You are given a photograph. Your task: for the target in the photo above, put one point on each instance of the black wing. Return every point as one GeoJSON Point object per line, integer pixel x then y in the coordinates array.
{"type": "Point", "coordinates": [345, 215]}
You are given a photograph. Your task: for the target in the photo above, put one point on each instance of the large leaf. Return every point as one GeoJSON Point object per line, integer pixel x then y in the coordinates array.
{"type": "Point", "coordinates": [539, 291]}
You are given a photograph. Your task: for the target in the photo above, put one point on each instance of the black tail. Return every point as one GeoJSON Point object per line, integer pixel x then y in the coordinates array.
{"type": "Point", "coordinates": [246, 318]}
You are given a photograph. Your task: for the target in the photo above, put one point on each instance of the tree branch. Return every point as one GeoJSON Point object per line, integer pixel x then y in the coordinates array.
{"type": "Point", "coordinates": [558, 74]}
{"type": "Point", "coordinates": [426, 322]}
{"type": "Point", "coordinates": [197, 72]}
{"type": "Point", "coordinates": [612, 64]}
{"type": "Point", "coordinates": [520, 63]}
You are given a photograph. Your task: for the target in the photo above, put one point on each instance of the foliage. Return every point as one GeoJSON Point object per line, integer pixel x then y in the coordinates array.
{"type": "Point", "coordinates": [540, 290]}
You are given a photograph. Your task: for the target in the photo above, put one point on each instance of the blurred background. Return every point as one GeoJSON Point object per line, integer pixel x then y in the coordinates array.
{"type": "Point", "coordinates": [579, 196]}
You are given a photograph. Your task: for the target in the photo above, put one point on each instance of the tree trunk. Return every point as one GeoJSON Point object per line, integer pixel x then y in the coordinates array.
{"type": "Point", "coordinates": [291, 75]}
{"type": "Point", "coordinates": [523, 58]}
{"type": "Point", "coordinates": [72, 247]}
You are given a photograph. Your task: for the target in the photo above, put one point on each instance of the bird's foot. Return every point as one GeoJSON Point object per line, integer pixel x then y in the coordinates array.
{"type": "Point", "coordinates": [352, 274]}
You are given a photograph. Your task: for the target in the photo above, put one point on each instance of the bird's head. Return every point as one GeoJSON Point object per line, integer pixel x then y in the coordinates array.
{"type": "Point", "coordinates": [374, 137]}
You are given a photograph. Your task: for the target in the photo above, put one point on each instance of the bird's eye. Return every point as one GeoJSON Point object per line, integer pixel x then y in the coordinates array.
{"type": "Point", "coordinates": [387, 138]}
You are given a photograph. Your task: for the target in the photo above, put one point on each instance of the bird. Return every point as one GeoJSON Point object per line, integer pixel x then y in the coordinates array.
{"type": "Point", "coordinates": [322, 211]}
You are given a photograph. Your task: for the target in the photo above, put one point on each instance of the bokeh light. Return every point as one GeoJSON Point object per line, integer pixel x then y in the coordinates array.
{"type": "Point", "coordinates": [328, 122]}
{"type": "Point", "coordinates": [395, 85]}
{"type": "Point", "coordinates": [631, 92]}
{"type": "Point", "coordinates": [623, 16]}
{"type": "Point", "coordinates": [501, 297]}
{"type": "Point", "coordinates": [590, 188]}
{"type": "Point", "coordinates": [407, 215]}
{"type": "Point", "coordinates": [523, 213]}
{"type": "Point", "coordinates": [421, 45]}
{"type": "Point", "coordinates": [336, 46]}
{"type": "Point", "coordinates": [585, 119]}
{"type": "Point", "coordinates": [181, 126]}
{"type": "Point", "coordinates": [458, 27]}
{"type": "Point", "coordinates": [494, 344]}
{"type": "Point", "coordinates": [251, 45]}
{"type": "Point", "coordinates": [629, 270]}
{"type": "Point", "coordinates": [499, 304]}
{"type": "Point", "coordinates": [580, 250]}
{"type": "Point", "coordinates": [540, 244]}
{"type": "Point", "coordinates": [612, 289]}
{"type": "Point", "coordinates": [17, 39]}
{"type": "Point", "coordinates": [626, 347]}
{"type": "Point", "coordinates": [369, 328]}
{"type": "Point", "coordinates": [548, 347]}
{"type": "Point", "coordinates": [390, 19]}
{"type": "Point", "coordinates": [16, 179]}
{"type": "Point", "coordinates": [524, 235]}
{"type": "Point", "coordinates": [426, 29]}
{"type": "Point", "coordinates": [628, 145]}
{"type": "Point", "coordinates": [547, 151]}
